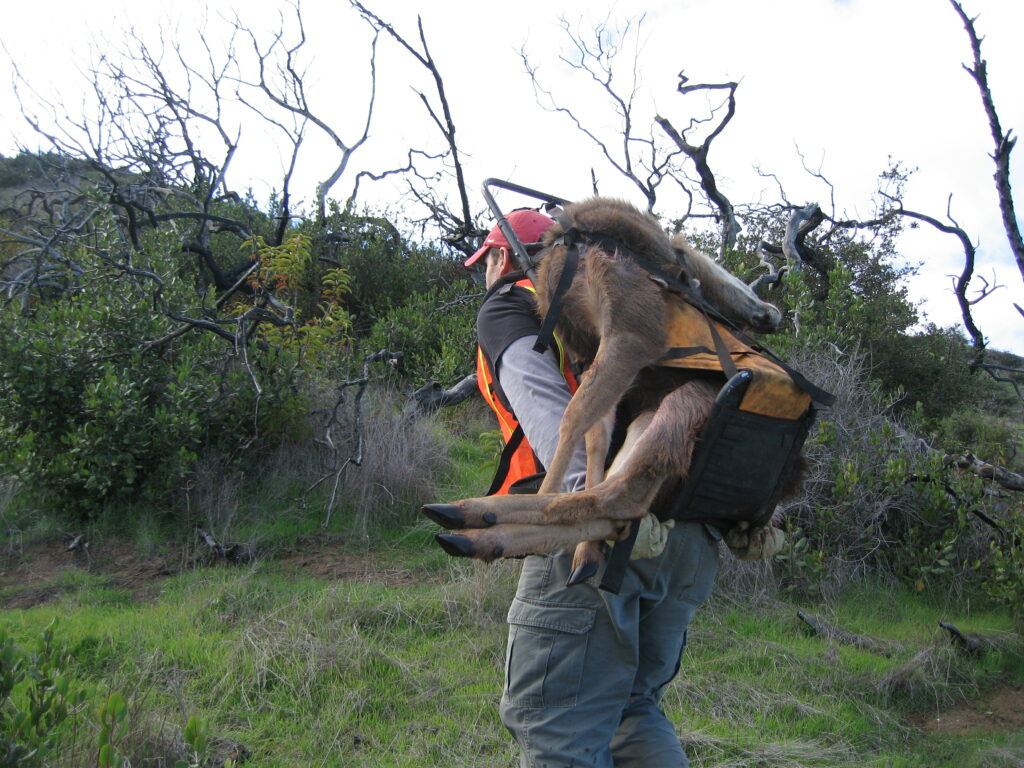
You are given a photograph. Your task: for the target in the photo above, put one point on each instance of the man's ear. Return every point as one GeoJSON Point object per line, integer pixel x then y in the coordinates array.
{"type": "Point", "coordinates": [507, 265]}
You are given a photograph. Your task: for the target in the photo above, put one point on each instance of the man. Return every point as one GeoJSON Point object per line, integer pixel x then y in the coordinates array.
{"type": "Point", "coordinates": [585, 669]}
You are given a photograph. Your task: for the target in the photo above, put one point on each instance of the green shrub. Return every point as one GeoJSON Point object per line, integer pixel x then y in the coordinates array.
{"type": "Point", "coordinates": [87, 417]}
{"type": "Point", "coordinates": [995, 439]}
{"type": "Point", "coordinates": [435, 330]}
{"type": "Point", "coordinates": [385, 269]}
{"type": "Point", "coordinates": [1005, 582]}
{"type": "Point", "coordinates": [37, 695]}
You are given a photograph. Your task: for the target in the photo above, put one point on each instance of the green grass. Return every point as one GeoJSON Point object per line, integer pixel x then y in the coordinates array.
{"type": "Point", "coordinates": [384, 671]}
{"type": "Point", "coordinates": [309, 672]}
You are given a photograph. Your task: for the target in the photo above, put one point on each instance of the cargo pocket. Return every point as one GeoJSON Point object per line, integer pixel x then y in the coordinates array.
{"type": "Point", "coordinates": [547, 646]}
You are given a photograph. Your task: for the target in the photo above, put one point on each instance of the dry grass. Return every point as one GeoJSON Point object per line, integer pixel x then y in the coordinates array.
{"type": "Point", "coordinates": [403, 459]}
{"type": "Point", "coordinates": [705, 749]}
{"type": "Point", "coordinates": [885, 519]}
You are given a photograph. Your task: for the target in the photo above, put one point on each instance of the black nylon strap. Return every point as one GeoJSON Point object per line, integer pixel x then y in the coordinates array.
{"type": "Point", "coordinates": [724, 358]}
{"type": "Point", "coordinates": [505, 462]}
{"type": "Point", "coordinates": [572, 260]}
{"type": "Point", "coordinates": [618, 561]}
{"type": "Point", "coordinates": [547, 328]}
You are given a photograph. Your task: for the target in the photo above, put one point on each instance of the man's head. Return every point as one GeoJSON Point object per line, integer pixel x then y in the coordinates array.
{"type": "Point", "coordinates": [495, 254]}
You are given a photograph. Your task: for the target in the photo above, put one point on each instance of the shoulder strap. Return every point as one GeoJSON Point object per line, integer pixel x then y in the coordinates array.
{"type": "Point", "coordinates": [568, 238]}
{"type": "Point", "coordinates": [505, 462]}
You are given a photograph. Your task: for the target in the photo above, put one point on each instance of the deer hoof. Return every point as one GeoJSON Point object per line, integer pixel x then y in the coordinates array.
{"type": "Point", "coordinates": [581, 574]}
{"type": "Point", "coordinates": [455, 545]}
{"type": "Point", "coordinates": [445, 515]}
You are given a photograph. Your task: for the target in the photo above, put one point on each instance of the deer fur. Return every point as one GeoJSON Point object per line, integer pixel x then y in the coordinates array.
{"type": "Point", "coordinates": [614, 317]}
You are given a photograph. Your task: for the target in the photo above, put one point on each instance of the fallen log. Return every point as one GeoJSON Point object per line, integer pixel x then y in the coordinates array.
{"type": "Point", "coordinates": [831, 632]}
{"type": "Point", "coordinates": [232, 553]}
{"type": "Point", "coordinates": [1012, 481]}
{"type": "Point", "coordinates": [433, 396]}
{"type": "Point", "coordinates": [975, 644]}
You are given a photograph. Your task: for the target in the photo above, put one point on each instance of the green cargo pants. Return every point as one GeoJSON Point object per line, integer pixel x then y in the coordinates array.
{"type": "Point", "coordinates": [585, 670]}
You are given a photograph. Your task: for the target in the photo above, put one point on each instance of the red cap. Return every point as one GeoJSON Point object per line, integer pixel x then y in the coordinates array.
{"type": "Point", "coordinates": [528, 225]}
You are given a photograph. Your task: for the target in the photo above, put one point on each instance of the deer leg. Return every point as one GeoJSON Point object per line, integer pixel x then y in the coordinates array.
{"type": "Point", "coordinates": [662, 450]}
{"type": "Point", "coordinates": [597, 440]}
{"type": "Point", "coordinates": [519, 540]}
{"type": "Point", "coordinates": [618, 360]}
{"type": "Point", "coordinates": [589, 555]}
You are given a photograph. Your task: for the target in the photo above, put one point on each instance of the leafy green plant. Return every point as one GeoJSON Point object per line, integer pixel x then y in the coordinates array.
{"type": "Point", "coordinates": [113, 714]}
{"type": "Point", "coordinates": [1005, 583]}
{"type": "Point", "coordinates": [87, 417]}
{"type": "Point", "coordinates": [37, 694]}
{"type": "Point", "coordinates": [435, 330]}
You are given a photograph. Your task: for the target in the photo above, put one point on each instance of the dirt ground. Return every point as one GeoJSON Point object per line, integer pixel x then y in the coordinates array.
{"type": "Point", "coordinates": [1001, 709]}
{"type": "Point", "coordinates": [36, 573]}
{"type": "Point", "coordinates": [32, 574]}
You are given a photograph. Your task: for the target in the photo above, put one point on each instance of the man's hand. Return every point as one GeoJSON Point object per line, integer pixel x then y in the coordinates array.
{"type": "Point", "coordinates": [760, 543]}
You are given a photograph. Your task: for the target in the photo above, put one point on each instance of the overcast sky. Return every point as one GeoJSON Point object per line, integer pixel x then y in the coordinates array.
{"type": "Point", "coordinates": [851, 83]}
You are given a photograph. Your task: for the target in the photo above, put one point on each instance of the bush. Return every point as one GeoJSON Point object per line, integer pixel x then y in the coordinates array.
{"type": "Point", "coordinates": [995, 439]}
{"type": "Point", "coordinates": [36, 696]}
{"type": "Point", "coordinates": [88, 418]}
{"type": "Point", "coordinates": [435, 330]}
{"type": "Point", "coordinates": [386, 271]}
{"type": "Point", "coordinates": [1005, 582]}
{"type": "Point", "coordinates": [876, 500]}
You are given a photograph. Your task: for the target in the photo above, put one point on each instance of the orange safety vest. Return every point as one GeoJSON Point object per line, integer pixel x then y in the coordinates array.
{"type": "Point", "coordinates": [517, 460]}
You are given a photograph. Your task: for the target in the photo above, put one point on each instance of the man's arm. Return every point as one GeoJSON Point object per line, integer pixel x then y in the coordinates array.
{"type": "Point", "coordinates": [538, 394]}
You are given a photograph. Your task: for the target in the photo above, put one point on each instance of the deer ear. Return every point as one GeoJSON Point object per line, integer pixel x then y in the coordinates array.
{"type": "Point", "coordinates": [658, 280]}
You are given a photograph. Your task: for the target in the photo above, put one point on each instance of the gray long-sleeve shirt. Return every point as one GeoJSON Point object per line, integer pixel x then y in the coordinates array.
{"type": "Point", "coordinates": [537, 392]}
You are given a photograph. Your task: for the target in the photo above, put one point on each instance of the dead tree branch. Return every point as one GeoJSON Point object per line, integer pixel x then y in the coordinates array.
{"type": "Point", "coordinates": [1004, 141]}
{"type": "Point", "coordinates": [1012, 481]}
{"type": "Point", "coordinates": [974, 644]}
{"type": "Point", "coordinates": [833, 633]}
{"type": "Point", "coordinates": [963, 281]}
{"type": "Point", "coordinates": [634, 153]}
{"type": "Point", "coordinates": [291, 95]}
{"type": "Point", "coordinates": [698, 153]}
{"type": "Point", "coordinates": [355, 457]}
{"type": "Point", "coordinates": [433, 396]}
{"type": "Point", "coordinates": [459, 228]}
{"type": "Point", "coordinates": [773, 274]}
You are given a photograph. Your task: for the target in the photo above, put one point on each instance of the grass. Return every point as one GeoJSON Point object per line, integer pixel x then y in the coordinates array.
{"type": "Point", "coordinates": [304, 671]}
{"type": "Point", "coordinates": [402, 664]}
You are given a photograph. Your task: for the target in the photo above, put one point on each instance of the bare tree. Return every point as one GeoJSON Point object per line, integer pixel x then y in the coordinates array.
{"type": "Point", "coordinates": [152, 158]}
{"type": "Point", "coordinates": [281, 78]}
{"type": "Point", "coordinates": [634, 149]}
{"type": "Point", "coordinates": [458, 225]}
{"type": "Point", "coordinates": [630, 148]}
{"type": "Point", "coordinates": [698, 153]}
{"type": "Point", "coordinates": [1004, 141]}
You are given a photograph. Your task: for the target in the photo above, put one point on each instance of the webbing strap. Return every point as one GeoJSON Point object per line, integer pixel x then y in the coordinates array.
{"type": "Point", "coordinates": [505, 462]}
{"type": "Point", "coordinates": [724, 358]}
{"type": "Point", "coordinates": [677, 353]}
{"type": "Point", "coordinates": [817, 394]}
{"type": "Point", "coordinates": [618, 561]}
{"type": "Point", "coordinates": [572, 260]}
